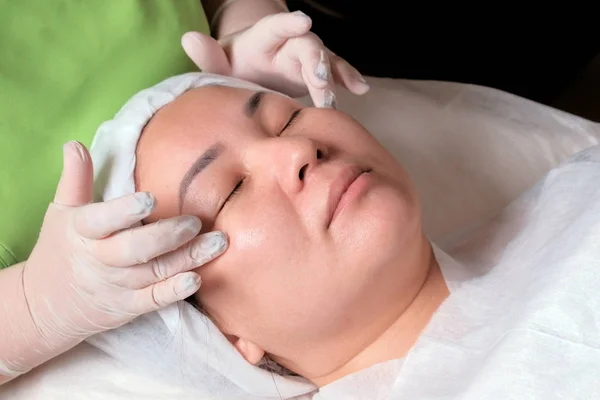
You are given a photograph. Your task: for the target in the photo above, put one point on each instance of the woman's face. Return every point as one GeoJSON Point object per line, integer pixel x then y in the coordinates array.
{"type": "Point", "coordinates": [313, 271]}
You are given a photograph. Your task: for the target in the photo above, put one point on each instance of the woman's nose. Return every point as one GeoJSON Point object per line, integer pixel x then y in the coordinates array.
{"type": "Point", "coordinates": [291, 160]}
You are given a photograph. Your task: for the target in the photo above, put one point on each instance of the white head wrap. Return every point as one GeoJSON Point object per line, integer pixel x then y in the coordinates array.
{"type": "Point", "coordinates": [177, 344]}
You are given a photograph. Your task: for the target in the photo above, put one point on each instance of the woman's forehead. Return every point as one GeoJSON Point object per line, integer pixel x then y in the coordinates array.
{"type": "Point", "coordinates": [205, 101]}
{"type": "Point", "coordinates": [197, 115]}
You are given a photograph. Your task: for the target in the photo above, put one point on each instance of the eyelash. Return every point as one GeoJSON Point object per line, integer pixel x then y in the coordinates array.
{"type": "Point", "coordinates": [235, 190]}
{"type": "Point", "coordinates": [238, 187]}
{"type": "Point", "coordinates": [291, 121]}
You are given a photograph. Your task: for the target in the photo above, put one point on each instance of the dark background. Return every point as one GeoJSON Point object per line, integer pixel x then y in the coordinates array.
{"type": "Point", "coordinates": [549, 55]}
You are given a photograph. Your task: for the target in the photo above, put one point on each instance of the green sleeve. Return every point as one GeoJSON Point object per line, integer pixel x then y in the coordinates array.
{"type": "Point", "coordinates": [67, 66]}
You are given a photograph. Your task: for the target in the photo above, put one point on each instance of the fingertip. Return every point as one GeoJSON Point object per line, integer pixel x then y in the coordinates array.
{"type": "Point", "coordinates": [206, 52]}
{"type": "Point", "coordinates": [301, 14]}
{"type": "Point", "coordinates": [74, 148]}
{"type": "Point", "coordinates": [292, 24]}
{"type": "Point", "coordinates": [360, 88]}
{"type": "Point", "coordinates": [76, 179]}
{"type": "Point", "coordinates": [214, 243]}
{"type": "Point", "coordinates": [68, 147]}
{"type": "Point", "coordinates": [349, 77]}
{"type": "Point", "coordinates": [146, 202]}
{"type": "Point", "coordinates": [187, 284]}
{"type": "Point", "coordinates": [223, 239]}
{"type": "Point", "coordinates": [165, 292]}
{"type": "Point", "coordinates": [329, 99]}
{"type": "Point", "coordinates": [303, 19]}
{"type": "Point", "coordinates": [191, 35]}
{"type": "Point", "coordinates": [190, 39]}
{"type": "Point", "coordinates": [191, 224]}
{"type": "Point", "coordinates": [151, 199]}
{"type": "Point", "coordinates": [324, 98]}
{"type": "Point", "coordinates": [355, 83]}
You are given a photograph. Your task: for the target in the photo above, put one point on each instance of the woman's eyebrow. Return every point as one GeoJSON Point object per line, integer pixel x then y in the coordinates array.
{"type": "Point", "coordinates": [210, 155]}
{"type": "Point", "coordinates": [253, 103]}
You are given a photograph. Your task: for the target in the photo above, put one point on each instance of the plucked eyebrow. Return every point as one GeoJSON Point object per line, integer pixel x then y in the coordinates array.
{"type": "Point", "coordinates": [210, 155]}
{"type": "Point", "coordinates": [253, 104]}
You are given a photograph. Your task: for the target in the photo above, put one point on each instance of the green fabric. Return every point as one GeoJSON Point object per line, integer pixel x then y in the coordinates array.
{"type": "Point", "coordinates": [65, 67]}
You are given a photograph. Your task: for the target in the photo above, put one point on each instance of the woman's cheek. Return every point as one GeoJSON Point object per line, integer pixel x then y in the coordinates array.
{"type": "Point", "coordinates": [253, 224]}
{"type": "Point", "coordinates": [248, 239]}
{"type": "Point", "coordinates": [256, 240]}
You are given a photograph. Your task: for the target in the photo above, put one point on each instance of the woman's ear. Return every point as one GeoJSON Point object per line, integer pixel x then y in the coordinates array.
{"type": "Point", "coordinates": [249, 350]}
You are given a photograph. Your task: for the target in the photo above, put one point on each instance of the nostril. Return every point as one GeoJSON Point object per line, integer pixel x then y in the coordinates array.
{"type": "Point", "coordinates": [302, 171]}
{"type": "Point", "coordinates": [319, 154]}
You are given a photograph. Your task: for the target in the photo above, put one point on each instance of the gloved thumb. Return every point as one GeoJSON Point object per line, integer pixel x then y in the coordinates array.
{"type": "Point", "coordinates": [75, 187]}
{"type": "Point", "coordinates": [206, 53]}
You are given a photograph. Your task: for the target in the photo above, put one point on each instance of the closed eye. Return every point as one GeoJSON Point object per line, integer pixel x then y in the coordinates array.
{"type": "Point", "coordinates": [293, 118]}
{"type": "Point", "coordinates": [235, 191]}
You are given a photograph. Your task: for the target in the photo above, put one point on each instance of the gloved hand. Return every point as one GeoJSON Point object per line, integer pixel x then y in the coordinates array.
{"type": "Point", "coordinates": [278, 52]}
{"type": "Point", "coordinates": [90, 271]}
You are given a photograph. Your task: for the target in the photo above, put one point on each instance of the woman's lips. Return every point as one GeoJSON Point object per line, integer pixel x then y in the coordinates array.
{"type": "Point", "coordinates": [346, 187]}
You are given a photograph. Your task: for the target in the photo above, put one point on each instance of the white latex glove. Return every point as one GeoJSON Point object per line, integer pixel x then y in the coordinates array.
{"type": "Point", "coordinates": [278, 52]}
{"type": "Point", "coordinates": [90, 271]}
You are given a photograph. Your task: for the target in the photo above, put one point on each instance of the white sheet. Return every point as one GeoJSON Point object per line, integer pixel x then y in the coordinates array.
{"type": "Point", "coordinates": [523, 317]}
{"type": "Point", "coordinates": [470, 150]}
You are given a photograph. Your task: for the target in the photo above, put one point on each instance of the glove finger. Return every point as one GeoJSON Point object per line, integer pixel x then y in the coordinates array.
{"type": "Point", "coordinates": [321, 98]}
{"type": "Point", "coordinates": [99, 220]}
{"type": "Point", "coordinates": [194, 254]}
{"type": "Point", "coordinates": [75, 187]}
{"type": "Point", "coordinates": [347, 76]}
{"type": "Point", "coordinates": [139, 245]}
{"type": "Point", "coordinates": [161, 294]}
{"type": "Point", "coordinates": [206, 53]}
{"type": "Point", "coordinates": [272, 31]}
{"type": "Point", "coordinates": [315, 66]}
{"type": "Point", "coordinates": [307, 53]}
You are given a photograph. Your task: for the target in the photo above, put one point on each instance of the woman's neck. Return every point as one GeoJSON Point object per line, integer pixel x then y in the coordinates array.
{"type": "Point", "coordinates": [402, 334]}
